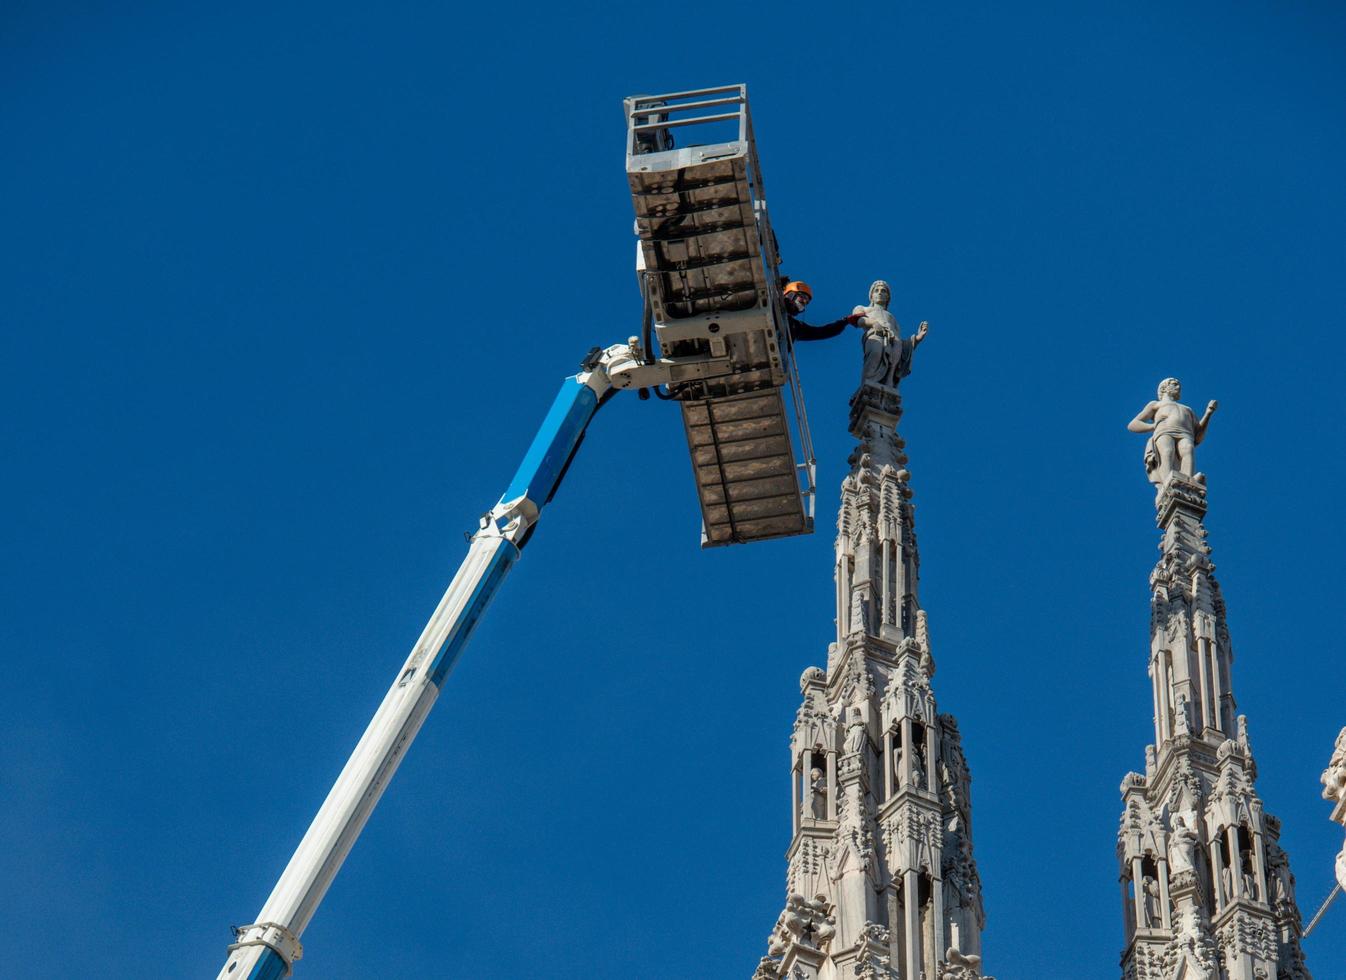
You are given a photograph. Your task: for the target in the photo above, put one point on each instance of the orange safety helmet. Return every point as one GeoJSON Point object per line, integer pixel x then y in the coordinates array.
{"type": "Point", "coordinates": [799, 287]}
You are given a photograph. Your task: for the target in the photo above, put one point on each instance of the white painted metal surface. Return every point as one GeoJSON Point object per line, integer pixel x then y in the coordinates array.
{"type": "Point", "coordinates": [357, 790]}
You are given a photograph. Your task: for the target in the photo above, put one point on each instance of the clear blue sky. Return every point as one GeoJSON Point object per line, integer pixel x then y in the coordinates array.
{"type": "Point", "coordinates": [286, 287]}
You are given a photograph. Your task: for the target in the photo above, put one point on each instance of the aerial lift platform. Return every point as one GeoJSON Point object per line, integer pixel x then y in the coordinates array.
{"type": "Point", "coordinates": [708, 269]}
{"type": "Point", "coordinates": [708, 261]}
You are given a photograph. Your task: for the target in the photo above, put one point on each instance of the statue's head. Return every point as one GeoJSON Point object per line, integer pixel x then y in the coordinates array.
{"type": "Point", "coordinates": [1170, 386]}
{"type": "Point", "coordinates": [880, 294]}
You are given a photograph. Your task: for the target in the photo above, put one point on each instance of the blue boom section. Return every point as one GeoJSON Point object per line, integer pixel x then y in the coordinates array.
{"type": "Point", "coordinates": [538, 476]}
{"type": "Point", "coordinates": [269, 967]}
{"type": "Point", "coordinates": [545, 462]}
{"type": "Point", "coordinates": [496, 569]}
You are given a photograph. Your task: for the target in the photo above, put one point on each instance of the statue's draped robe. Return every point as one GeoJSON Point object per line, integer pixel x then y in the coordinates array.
{"type": "Point", "coordinates": [887, 356]}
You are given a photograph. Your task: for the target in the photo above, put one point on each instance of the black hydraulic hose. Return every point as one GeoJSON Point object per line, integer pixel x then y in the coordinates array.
{"type": "Point", "coordinates": [647, 320]}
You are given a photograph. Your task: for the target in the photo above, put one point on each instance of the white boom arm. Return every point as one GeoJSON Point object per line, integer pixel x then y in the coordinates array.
{"type": "Point", "coordinates": [267, 949]}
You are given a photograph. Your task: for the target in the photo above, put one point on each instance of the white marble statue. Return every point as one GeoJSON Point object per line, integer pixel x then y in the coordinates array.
{"type": "Point", "coordinates": [1181, 847]}
{"type": "Point", "coordinates": [1149, 890]}
{"type": "Point", "coordinates": [817, 795]}
{"type": "Point", "coordinates": [887, 355]}
{"type": "Point", "coordinates": [855, 736]}
{"type": "Point", "coordinates": [1174, 430]}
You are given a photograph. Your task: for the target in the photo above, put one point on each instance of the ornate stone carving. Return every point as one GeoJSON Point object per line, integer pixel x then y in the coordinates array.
{"type": "Point", "coordinates": [956, 966]}
{"type": "Point", "coordinates": [767, 969]}
{"type": "Point", "coordinates": [815, 727]}
{"type": "Point", "coordinates": [872, 961]}
{"type": "Point", "coordinates": [1245, 935]}
{"type": "Point", "coordinates": [810, 868]}
{"type": "Point", "coordinates": [805, 922]}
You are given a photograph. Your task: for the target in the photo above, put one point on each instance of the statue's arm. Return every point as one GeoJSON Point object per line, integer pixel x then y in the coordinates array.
{"type": "Point", "coordinates": [1205, 421]}
{"type": "Point", "coordinates": [1144, 422]}
{"type": "Point", "coordinates": [921, 331]}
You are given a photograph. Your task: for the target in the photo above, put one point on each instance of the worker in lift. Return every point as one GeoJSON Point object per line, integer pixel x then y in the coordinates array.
{"type": "Point", "coordinates": [798, 295]}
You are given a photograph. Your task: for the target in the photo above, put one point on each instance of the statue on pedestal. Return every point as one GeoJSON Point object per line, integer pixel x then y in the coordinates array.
{"type": "Point", "coordinates": [887, 357]}
{"type": "Point", "coordinates": [1175, 432]}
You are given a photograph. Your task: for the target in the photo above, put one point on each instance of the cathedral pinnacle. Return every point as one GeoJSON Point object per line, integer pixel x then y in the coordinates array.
{"type": "Point", "coordinates": [881, 884]}
{"type": "Point", "coordinates": [1207, 891]}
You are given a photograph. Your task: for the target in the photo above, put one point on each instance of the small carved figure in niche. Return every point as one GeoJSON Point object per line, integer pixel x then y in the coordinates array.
{"type": "Point", "coordinates": [1181, 847]}
{"type": "Point", "coordinates": [954, 898]}
{"type": "Point", "coordinates": [855, 736]}
{"type": "Point", "coordinates": [817, 794]}
{"type": "Point", "coordinates": [1279, 876]}
{"type": "Point", "coordinates": [1149, 890]}
{"type": "Point", "coordinates": [1174, 430]}
{"type": "Point", "coordinates": [917, 771]}
{"type": "Point", "coordinates": [1249, 879]}
{"type": "Point", "coordinates": [897, 765]}
{"type": "Point", "coordinates": [887, 355]}
{"type": "Point", "coordinates": [1226, 886]}
{"type": "Point", "coordinates": [1277, 884]}
{"type": "Point", "coordinates": [1182, 724]}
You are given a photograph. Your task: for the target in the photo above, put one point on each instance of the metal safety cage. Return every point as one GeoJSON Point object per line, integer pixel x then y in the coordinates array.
{"type": "Point", "coordinates": [708, 264]}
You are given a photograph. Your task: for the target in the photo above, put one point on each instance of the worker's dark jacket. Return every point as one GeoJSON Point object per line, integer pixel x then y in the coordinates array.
{"type": "Point", "coordinates": [799, 330]}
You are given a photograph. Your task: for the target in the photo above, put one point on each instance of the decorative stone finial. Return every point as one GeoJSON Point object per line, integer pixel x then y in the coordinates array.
{"type": "Point", "coordinates": [1175, 432]}
{"type": "Point", "coordinates": [810, 677]}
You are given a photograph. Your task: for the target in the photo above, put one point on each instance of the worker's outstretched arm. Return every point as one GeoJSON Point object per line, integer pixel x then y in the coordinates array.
{"type": "Point", "coordinates": [799, 330]}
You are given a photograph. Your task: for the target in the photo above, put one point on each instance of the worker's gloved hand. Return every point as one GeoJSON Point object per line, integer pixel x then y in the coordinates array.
{"type": "Point", "coordinates": [855, 318]}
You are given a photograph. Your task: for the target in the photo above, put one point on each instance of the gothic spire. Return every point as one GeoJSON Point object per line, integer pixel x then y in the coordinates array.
{"type": "Point", "coordinates": [881, 884]}
{"type": "Point", "coordinates": [1207, 891]}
